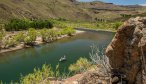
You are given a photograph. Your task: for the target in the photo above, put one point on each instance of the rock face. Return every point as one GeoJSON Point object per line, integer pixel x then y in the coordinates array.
{"type": "Point", "coordinates": [124, 51]}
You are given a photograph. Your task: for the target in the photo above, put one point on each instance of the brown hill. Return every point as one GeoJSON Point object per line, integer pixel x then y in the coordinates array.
{"type": "Point", "coordinates": [67, 9]}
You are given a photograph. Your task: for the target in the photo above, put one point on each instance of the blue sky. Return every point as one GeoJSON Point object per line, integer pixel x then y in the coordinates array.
{"type": "Point", "coordinates": [122, 2]}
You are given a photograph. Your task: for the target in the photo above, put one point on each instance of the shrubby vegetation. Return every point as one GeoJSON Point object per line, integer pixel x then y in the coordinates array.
{"type": "Point", "coordinates": [19, 24]}
{"type": "Point", "coordinates": [9, 42]}
{"type": "Point", "coordinates": [19, 37]}
{"type": "Point", "coordinates": [49, 35]}
{"type": "Point", "coordinates": [68, 31]}
{"type": "Point", "coordinates": [41, 76]}
{"type": "Point", "coordinates": [82, 64]}
{"type": "Point", "coordinates": [116, 25]}
{"type": "Point", "coordinates": [2, 34]}
{"type": "Point", "coordinates": [30, 37]}
{"type": "Point", "coordinates": [12, 41]}
{"type": "Point", "coordinates": [109, 25]}
{"type": "Point", "coordinates": [38, 76]}
{"type": "Point", "coordinates": [112, 26]}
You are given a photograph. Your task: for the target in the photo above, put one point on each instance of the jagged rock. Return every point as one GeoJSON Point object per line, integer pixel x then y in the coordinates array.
{"type": "Point", "coordinates": [124, 51]}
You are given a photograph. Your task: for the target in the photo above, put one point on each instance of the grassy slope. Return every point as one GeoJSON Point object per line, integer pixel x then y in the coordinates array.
{"type": "Point", "coordinates": [41, 9]}
{"type": "Point", "coordinates": [64, 8]}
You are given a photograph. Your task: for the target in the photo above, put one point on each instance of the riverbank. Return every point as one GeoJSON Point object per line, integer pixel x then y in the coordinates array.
{"type": "Point", "coordinates": [94, 30]}
{"type": "Point", "coordinates": [37, 42]}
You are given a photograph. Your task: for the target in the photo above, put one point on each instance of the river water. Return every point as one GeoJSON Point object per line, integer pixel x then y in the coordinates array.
{"type": "Point", "coordinates": [15, 63]}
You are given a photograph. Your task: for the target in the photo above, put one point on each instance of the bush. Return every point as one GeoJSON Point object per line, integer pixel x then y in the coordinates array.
{"type": "Point", "coordinates": [38, 76]}
{"type": "Point", "coordinates": [19, 37]}
{"type": "Point", "coordinates": [18, 24]}
{"type": "Point", "coordinates": [2, 34]}
{"type": "Point", "coordinates": [116, 25]}
{"type": "Point", "coordinates": [45, 35]}
{"type": "Point", "coordinates": [9, 42]}
{"type": "Point", "coordinates": [109, 25]}
{"type": "Point", "coordinates": [30, 37]}
{"type": "Point", "coordinates": [68, 31]}
{"type": "Point", "coordinates": [81, 65]}
{"type": "Point", "coordinates": [39, 24]}
{"type": "Point", "coordinates": [49, 35]}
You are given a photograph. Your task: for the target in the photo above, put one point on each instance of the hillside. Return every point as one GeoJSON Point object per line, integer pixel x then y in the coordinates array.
{"type": "Point", "coordinates": [67, 9]}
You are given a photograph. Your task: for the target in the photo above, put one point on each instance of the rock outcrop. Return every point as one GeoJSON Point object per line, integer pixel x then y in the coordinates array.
{"type": "Point", "coordinates": [125, 50]}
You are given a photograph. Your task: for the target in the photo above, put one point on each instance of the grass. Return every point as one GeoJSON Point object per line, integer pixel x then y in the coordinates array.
{"type": "Point", "coordinates": [45, 9]}
{"type": "Point", "coordinates": [106, 26]}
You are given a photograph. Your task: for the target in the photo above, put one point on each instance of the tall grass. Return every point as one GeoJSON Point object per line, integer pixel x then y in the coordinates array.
{"type": "Point", "coordinates": [112, 26]}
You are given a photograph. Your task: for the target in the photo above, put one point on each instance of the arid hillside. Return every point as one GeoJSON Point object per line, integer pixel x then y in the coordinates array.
{"type": "Point", "coordinates": [66, 9]}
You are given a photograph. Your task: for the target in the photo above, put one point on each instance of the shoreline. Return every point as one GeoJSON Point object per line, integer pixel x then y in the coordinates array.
{"type": "Point", "coordinates": [39, 39]}
{"type": "Point", "coordinates": [94, 30]}
{"type": "Point", "coordinates": [38, 42]}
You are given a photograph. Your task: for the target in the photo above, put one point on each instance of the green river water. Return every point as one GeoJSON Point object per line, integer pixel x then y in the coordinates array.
{"type": "Point", "coordinates": [12, 64]}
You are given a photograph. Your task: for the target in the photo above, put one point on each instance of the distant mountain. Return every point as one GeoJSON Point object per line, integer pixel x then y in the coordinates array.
{"type": "Point", "coordinates": [67, 9]}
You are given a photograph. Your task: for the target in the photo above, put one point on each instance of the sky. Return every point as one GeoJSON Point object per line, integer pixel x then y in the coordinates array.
{"type": "Point", "coordinates": [122, 2]}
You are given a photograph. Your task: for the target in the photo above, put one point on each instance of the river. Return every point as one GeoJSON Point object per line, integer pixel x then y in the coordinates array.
{"type": "Point", "coordinates": [15, 63]}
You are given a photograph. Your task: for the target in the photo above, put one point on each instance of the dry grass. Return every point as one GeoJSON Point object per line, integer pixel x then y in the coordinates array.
{"type": "Point", "coordinates": [45, 9]}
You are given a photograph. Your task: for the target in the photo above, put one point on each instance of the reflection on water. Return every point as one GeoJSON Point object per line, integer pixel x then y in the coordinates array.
{"type": "Point", "coordinates": [12, 64]}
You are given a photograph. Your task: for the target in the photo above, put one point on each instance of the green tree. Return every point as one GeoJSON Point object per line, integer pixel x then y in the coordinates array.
{"type": "Point", "coordinates": [24, 24]}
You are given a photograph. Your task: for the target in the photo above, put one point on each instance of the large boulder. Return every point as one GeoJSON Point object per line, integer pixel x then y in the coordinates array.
{"type": "Point", "coordinates": [124, 51]}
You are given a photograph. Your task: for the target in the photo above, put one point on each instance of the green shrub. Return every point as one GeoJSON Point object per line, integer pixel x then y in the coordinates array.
{"type": "Point", "coordinates": [45, 35]}
{"type": "Point", "coordinates": [2, 34]}
{"type": "Point", "coordinates": [39, 24]}
{"type": "Point", "coordinates": [49, 35]}
{"type": "Point", "coordinates": [68, 31]}
{"type": "Point", "coordinates": [19, 37]}
{"type": "Point", "coordinates": [30, 37]}
{"type": "Point", "coordinates": [18, 24]}
{"type": "Point", "coordinates": [38, 76]}
{"type": "Point", "coordinates": [81, 65]}
{"type": "Point", "coordinates": [109, 25]}
{"type": "Point", "coordinates": [9, 42]}
{"type": "Point", "coordinates": [116, 25]}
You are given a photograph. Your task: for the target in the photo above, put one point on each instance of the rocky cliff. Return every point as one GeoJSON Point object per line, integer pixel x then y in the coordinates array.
{"type": "Point", "coordinates": [127, 49]}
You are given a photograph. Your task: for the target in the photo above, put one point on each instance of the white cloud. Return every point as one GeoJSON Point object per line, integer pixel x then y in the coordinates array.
{"type": "Point", "coordinates": [142, 4]}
